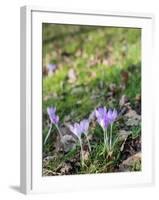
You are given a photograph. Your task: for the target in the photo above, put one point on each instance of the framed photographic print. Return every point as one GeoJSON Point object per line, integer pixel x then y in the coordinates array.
{"type": "Point", "coordinates": [86, 100]}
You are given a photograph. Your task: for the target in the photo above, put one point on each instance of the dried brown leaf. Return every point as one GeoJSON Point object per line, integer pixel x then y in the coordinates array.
{"type": "Point", "coordinates": [123, 134]}
{"type": "Point", "coordinates": [72, 77]}
{"type": "Point", "coordinates": [123, 100]}
{"type": "Point", "coordinates": [130, 161]}
{"type": "Point", "coordinates": [66, 168]}
{"type": "Point", "coordinates": [68, 142]}
{"type": "Point", "coordinates": [132, 118]}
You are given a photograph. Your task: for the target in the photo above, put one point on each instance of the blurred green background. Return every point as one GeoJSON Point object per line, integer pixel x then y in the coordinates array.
{"type": "Point", "coordinates": [89, 60]}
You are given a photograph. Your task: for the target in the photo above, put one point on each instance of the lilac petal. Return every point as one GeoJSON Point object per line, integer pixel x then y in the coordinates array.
{"type": "Point", "coordinates": [100, 122]}
{"type": "Point", "coordinates": [115, 114]}
{"type": "Point", "coordinates": [52, 115]}
{"type": "Point", "coordinates": [100, 112]}
{"type": "Point", "coordinates": [109, 115]}
{"type": "Point", "coordinates": [51, 110]}
{"type": "Point", "coordinates": [102, 117]}
{"type": "Point", "coordinates": [76, 129]}
{"type": "Point", "coordinates": [84, 125]}
{"type": "Point", "coordinates": [103, 122]}
{"type": "Point", "coordinates": [112, 115]}
{"type": "Point", "coordinates": [51, 67]}
{"type": "Point", "coordinates": [56, 120]}
{"type": "Point", "coordinates": [106, 121]}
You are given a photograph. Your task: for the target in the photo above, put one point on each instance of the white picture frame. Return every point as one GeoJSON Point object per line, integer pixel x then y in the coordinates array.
{"type": "Point", "coordinates": [31, 100]}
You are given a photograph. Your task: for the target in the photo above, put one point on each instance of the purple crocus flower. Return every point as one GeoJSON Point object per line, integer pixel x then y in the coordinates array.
{"type": "Point", "coordinates": [112, 115]}
{"type": "Point", "coordinates": [51, 68]}
{"type": "Point", "coordinates": [100, 112]}
{"type": "Point", "coordinates": [76, 129]}
{"type": "Point", "coordinates": [103, 122]}
{"type": "Point", "coordinates": [54, 120]}
{"type": "Point", "coordinates": [102, 117]}
{"type": "Point", "coordinates": [105, 119]}
{"type": "Point", "coordinates": [84, 125]}
{"type": "Point", "coordinates": [52, 115]}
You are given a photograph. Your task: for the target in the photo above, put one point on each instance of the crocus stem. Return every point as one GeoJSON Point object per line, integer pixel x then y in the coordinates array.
{"type": "Point", "coordinates": [48, 133]}
{"type": "Point", "coordinates": [110, 142]}
{"type": "Point", "coordinates": [82, 154]}
{"type": "Point", "coordinates": [105, 138]}
{"type": "Point", "coordinates": [88, 143]}
{"type": "Point", "coordinates": [59, 131]}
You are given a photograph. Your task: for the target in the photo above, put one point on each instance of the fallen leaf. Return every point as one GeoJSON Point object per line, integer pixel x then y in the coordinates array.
{"type": "Point", "coordinates": [92, 116]}
{"type": "Point", "coordinates": [78, 53]}
{"type": "Point", "coordinates": [93, 74]}
{"type": "Point", "coordinates": [130, 147]}
{"type": "Point", "coordinates": [122, 86]}
{"type": "Point", "coordinates": [51, 95]}
{"type": "Point", "coordinates": [66, 168]}
{"type": "Point", "coordinates": [86, 155]}
{"type": "Point", "coordinates": [132, 118]}
{"type": "Point", "coordinates": [108, 61]}
{"type": "Point", "coordinates": [122, 112]}
{"type": "Point", "coordinates": [138, 97]}
{"type": "Point", "coordinates": [65, 130]}
{"type": "Point", "coordinates": [123, 144]}
{"type": "Point", "coordinates": [67, 118]}
{"type": "Point", "coordinates": [47, 172]}
{"type": "Point", "coordinates": [123, 100]}
{"type": "Point", "coordinates": [58, 145]}
{"type": "Point", "coordinates": [124, 76]}
{"type": "Point", "coordinates": [112, 87]}
{"type": "Point", "coordinates": [48, 158]}
{"type": "Point", "coordinates": [68, 142]}
{"type": "Point", "coordinates": [94, 60]}
{"type": "Point", "coordinates": [123, 134]}
{"type": "Point", "coordinates": [45, 71]}
{"type": "Point", "coordinates": [72, 77]}
{"type": "Point", "coordinates": [130, 162]}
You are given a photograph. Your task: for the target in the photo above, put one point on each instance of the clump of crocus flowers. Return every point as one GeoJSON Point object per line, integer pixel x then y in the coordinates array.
{"type": "Point", "coordinates": [105, 119]}
{"type": "Point", "coordinates": [78, 129]}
